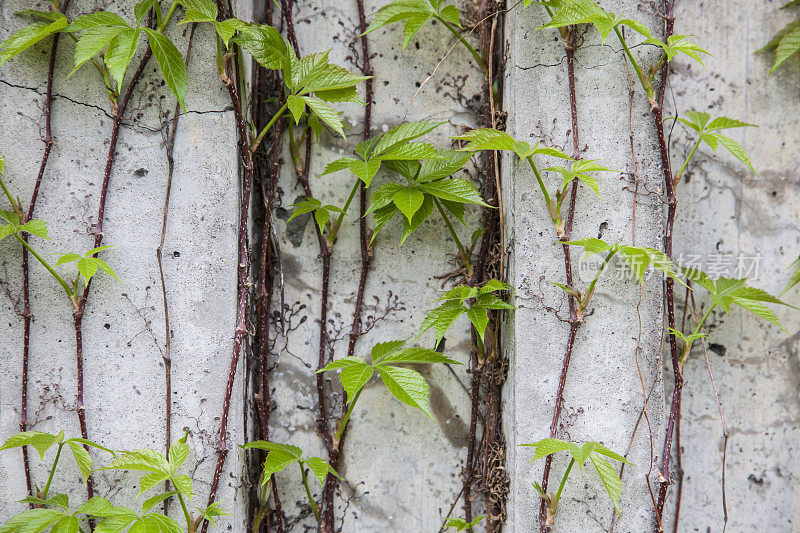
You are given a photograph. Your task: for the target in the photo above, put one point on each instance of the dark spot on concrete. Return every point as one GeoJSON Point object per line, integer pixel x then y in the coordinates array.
{"type": "Point", "coordinates": [718, 349]}
{"type": "Point", "coordinates": [176, 254]}
{"type": "Point", "coordinates": [755, 480]}
{"type": "Point", "coordinates": [601, 229]}
{"type": "Point", "coordinates": [107, 326]}
{"type": "Point", "coordinates": [140, 173]}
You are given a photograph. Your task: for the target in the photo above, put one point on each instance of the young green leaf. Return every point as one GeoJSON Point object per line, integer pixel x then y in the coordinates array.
{"type": "Point", "coordinates": [784, 44]}
{"type": "Point", "coordinates": [91, 42]}
{"type": "Point", "coordinates": [199, 11]}
{"type": "Point", "coordinates": [24, 38]}
{"type": "Point", "coordinates": [408, 386]}
{"type": "Point", "coordinates": [265, 44]}
{"type": "Point", "coordinates": [212, 512]}
{"type": "Point", "coordinates": [33, 520]}
{"type": "Point", "coordinates": [708, 133]}
{"type": "Point", "coordinates": [414, 13]}
{"type": "Point", "coordinates": [40, 441]}
{"type": "Point", "coordinates": [171, 64]}
{"type": "Point", "coordinates": [119, 54]}
{"type": "Point", "coordinates": [461, 525]}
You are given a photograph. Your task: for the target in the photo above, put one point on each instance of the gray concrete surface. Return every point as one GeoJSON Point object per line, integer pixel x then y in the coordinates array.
{"type": "Point", "coordinates": [123, 326]}
{"type": "Point", "coordinates": [603, 395]}
{"type": "Point", "coordinates": [403, 470]}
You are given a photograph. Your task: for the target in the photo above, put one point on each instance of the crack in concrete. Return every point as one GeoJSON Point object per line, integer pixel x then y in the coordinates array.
{"type": "Point", "coordinates": [106, 113]}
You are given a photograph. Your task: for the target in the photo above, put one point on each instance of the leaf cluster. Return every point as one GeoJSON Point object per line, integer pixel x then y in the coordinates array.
{"type": "Point", "coordinates": [405, 384]}
{"type": "Point", "coordinates": [462, 525]}
{"type": "Point", "coordinates": [414, 14]}
{"type": "Point", "coordinates": [708, 131]}
{"type": "Point", "coordinates": [474, 302]}
{"type": "Point", "coordinates": [596, 453]}
{"type": "Point", "coordinates": [279, 456]}
{"type": "Point", "coordinates": [785, 43]}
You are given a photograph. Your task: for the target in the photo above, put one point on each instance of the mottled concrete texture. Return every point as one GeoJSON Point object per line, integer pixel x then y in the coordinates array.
{"type": "Point", "coordinates": [726, 213]}
{"type": "Point", "coordinates": [123, 326]}
{"type": "Point", "coordinates": [403, 470]}
{"type": "Point", "coordinates": [616, 353]}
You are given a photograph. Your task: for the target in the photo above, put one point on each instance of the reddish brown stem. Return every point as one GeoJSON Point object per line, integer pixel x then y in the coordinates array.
{"type": "Point", "coordinates": [669, 283]}
{"type": "Point", "coordinates": [243, 277]}
{"type": "Point", "coordinates": [574, 320]}
{"type": "Point", "coordinates": [80, 306]}
{"type": "Point", "coordinates": [27, 316]}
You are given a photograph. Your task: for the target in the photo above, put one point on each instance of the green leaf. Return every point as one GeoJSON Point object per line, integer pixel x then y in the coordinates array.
{"type": "Point", "coordinates": [365, 170]}
{"type": "Point", "coordinates": [107, 269]}
{"type": "Point", "coordinates": [794, 279]}
{"type": "Point", "coordinates": [183, 484]}
{"type": "Point", "coordinates": [144, 460]}
{"type": "Point", "coordinates": [491, 139]}
{"type": "Point", "coordinates": [679, 44]}
{"type": "Point", "coordinates": [171, 64]}
{"type": "Point", "coordinates": [199, 11]}
{"type": "Point", "coordinates": [87, 267]}
{"type": "Point", "coordinates": [161, 523]}
{"type": "Point", "coordinates": [412, 150]}
{"type": "Point", "coordinates": [213, 511]}
{"type": "Point", "coordinates": [591, 245]}
{"type": "Point", "coordinates": [141, 8]}
{"type": "Point", "coordinates": [414, 13]}
{"type": "Point", "coordinates": [321, 468]}
{"type": "Point", "coordinates": [93, 20]}
{"type": "Point", "coordinates": [35, 227]}
{"type": "Point", "coordinates": [155, 500]}
{"type": "Point", "coordinates": [785, 44]}
{"type": "Point", "coordinates": [736, 149]}
{"type": "Point", "coordinates": [277, 460]}
{"type": "Point", "coordinates": [382, 349]}
{"type": "Point", "coordinates": [344, 94]}
{"type": "Point", "coordinates": [547, 447]}
{"type": "Point", "coordinates": [571, 12]}
{"type": "Point", "coordinates": [119, 54]}
{"type": "Point", "coordinates": [148, 481]}
{"type": "Point", "coordinates": [92, 42]}
{"type": "Point", "coordinates": [402, 133]}
{"type": "Point", "coordinates": [178, 452]}
{"type": "Point", "coordinates": [331, 77]}
{"type": "Point", "coordinates": [460, 524]}
{"type": "Point", "coordinates": [479, 317]}
{"type": "Point", "coordinates": [326, 113]}
{"type": "Point", "coordinates": [101, 508]}
{"type": "Point", "coordinates": [82, 459]}
{"type": "Point", "coordinates": [32, 521]}
{"type": "Point", "coordinates": [40, 441]}
{"type": "Point", "coordinates": [228, 28]}
{"type": "Point", "coordinates": [380, 218]}
{"type": "Point", "coordinates": [416, 355]}
{"type": "Point", "coordinates": [116, 524]}
{"type": "Point", "coordinates": [383, 196]}
{"type": "Point", "coordinates": [24, 38]}
{"type": "Point", "coordinates": [610, 479]}
{"type": "Point", "coordinates": [435, 169]}
{"type": "Point", "coordinates": [408, 386]}
{"type": "Point", "coordinates": [410, 226]}
{"type": "Point", "coordinates": [68, 258]}
{"type": "Point", "coordinates": [297, 106]}
{"type": "Point", "coordinates": [408, 201]}
{"type": "Point", "coordinates": [265, 44]}
{"type": "Point", "coordinates": [354, 377]}
{"type": "Point", "coordinates": [442, 317]}
{"type": "Point", "coordinates": [454, 190]}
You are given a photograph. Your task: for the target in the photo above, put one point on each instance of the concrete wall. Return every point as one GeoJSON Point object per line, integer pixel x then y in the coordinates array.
{"type": "Point", "coordinates": [725, 212]}
{"type": "Point", "coordinates": [123, 326]}
{"type": "Point", "coordinates": [403, 471]}
{"type": "Point", "coordinates": [603, 395]}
